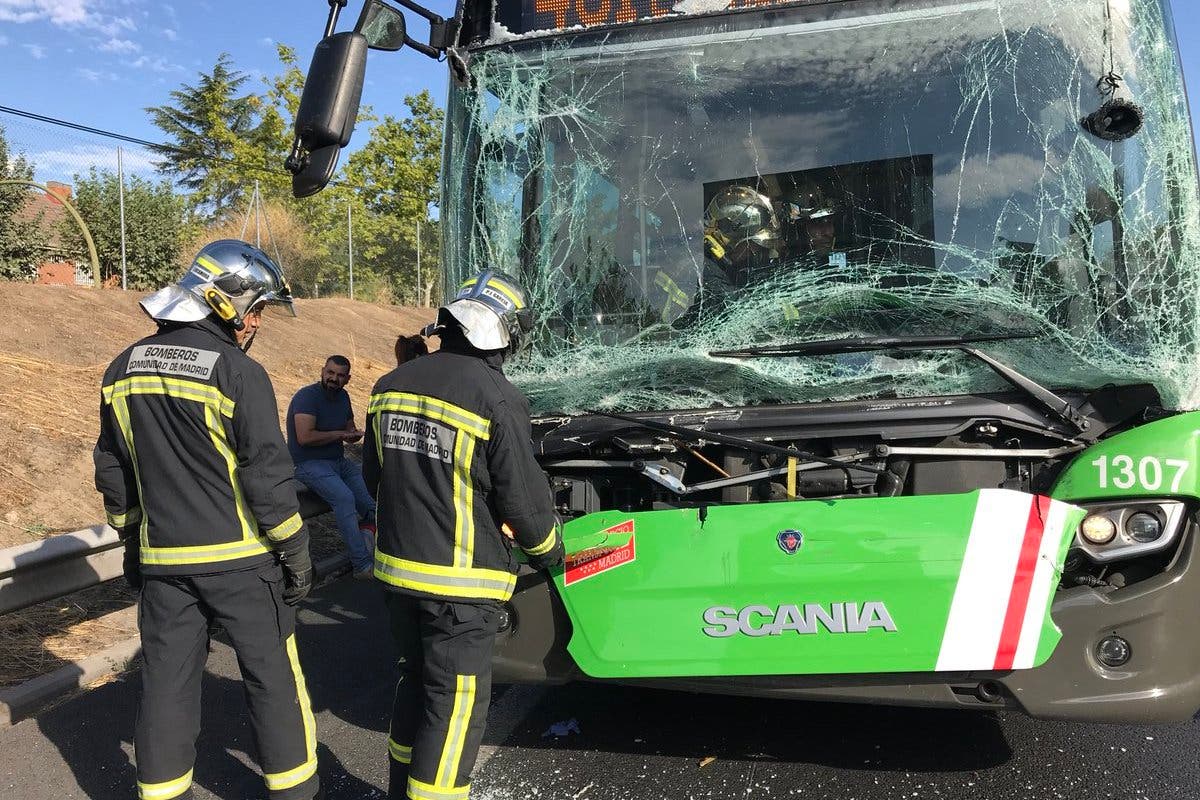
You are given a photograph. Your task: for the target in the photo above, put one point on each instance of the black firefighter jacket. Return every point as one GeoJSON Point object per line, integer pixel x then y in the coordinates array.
{"type": "Point", "coordinates": [190, 458]}
{"type": "Point", "coordinates": [449, 460]}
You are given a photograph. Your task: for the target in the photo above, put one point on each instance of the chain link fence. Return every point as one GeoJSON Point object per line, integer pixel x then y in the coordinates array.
{"type": "Point", "coordinates": [143, 228]}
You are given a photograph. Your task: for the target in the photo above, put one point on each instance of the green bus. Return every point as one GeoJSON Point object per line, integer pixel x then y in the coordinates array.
{"type": "Point", "coordinates": [868, 341]}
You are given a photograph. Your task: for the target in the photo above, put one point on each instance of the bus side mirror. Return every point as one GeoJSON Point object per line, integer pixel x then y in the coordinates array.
{"type": "Point", "coordinates": [384, 26]}
{"type": "Point", "coordinates": [328, 110]}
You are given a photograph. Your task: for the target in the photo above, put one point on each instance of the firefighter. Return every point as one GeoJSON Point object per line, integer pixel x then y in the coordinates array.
{"type": "Point", "coordinates": [812, 218]}
{"type": "Point", "coordinates": [449, 458]}
{"type": "Point", "coordinates": [742, 235]}
{"type": "Point", "coordinates": [197, 480]}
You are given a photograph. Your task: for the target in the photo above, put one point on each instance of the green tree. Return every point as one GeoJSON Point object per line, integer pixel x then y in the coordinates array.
{"type": "Point", "coordinates": [207, 126]}
{"type": "Point", "coordinates": [22, 240]}
{"type": "Point", "coordinates": [395, 179]}
{"type": "Point", "coordinates": [156, 227]}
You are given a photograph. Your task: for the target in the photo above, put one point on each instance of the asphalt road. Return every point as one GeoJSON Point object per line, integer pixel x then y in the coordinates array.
{"type": "Point", "coordinates": [632, 744]}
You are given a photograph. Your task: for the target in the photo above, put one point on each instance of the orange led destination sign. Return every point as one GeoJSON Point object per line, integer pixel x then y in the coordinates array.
{"type": "Point", "coordinates": [558, 14]}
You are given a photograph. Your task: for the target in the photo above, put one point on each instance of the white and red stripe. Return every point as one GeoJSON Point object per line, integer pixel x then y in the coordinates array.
{"type": "Point", "coordinates": [1008, 574]}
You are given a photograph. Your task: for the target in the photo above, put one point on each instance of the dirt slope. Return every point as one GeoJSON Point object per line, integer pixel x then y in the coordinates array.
{"type": "Point", "coordinates": [55, 343]}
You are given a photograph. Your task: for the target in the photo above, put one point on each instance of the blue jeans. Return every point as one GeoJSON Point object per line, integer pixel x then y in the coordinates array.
{"type": "Point", "coordinates": [340, 483]}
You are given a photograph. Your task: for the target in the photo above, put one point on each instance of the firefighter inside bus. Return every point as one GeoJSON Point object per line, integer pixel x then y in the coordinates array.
{"type": "Point", "coordinates": [751, 232]}
{"type": "Point", "coordinates": [811, 220]}
{"type": "Point", "coordinates": [826, 220]}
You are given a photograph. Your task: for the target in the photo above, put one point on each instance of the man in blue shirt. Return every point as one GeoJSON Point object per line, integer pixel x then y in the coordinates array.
{"type": "Point", "coordinates": [320, 420]}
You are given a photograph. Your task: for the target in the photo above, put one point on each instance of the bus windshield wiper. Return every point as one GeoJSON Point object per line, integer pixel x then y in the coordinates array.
{"type": "Point", "coordinates": [1047, 399]}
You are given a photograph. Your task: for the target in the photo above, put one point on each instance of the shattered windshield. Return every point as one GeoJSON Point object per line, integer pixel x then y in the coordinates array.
{"type": "Point", "coordinates": [869, 168]}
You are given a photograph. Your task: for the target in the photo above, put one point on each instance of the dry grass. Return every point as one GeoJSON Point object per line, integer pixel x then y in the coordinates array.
{"type": "Point", "coordinates": [54, 347]}
{"type": "Point", "coordinates": [46, 636]}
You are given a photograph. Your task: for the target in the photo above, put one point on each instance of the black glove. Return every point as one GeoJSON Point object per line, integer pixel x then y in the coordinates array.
{"type": "Point", "coordinates": [131, 564]}
{"type": "Point", "coordinates": [552, 559]}
{"type": "Point", "coordinates": [297, 568]}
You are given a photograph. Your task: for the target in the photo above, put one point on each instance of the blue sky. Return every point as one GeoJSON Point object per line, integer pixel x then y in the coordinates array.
{"type": "Point", "coordinates": [101, 62]}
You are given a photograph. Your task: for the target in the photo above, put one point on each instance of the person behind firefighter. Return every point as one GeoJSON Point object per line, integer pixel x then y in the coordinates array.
{"type": "Point", "coordinates": [812, 218]}
{"type": "Point", "coordinates": [197, 481]}
{"type": "Point", "coordinates": [409, 347]}
{"type": "Point", "coordinates": [448, 456]}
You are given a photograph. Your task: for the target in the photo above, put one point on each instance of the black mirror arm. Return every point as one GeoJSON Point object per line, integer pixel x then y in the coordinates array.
{"type": "Point", "coordinates": [432, 52]}
{"type": "Point", "coordinates": [297, 160]}
{"type": "Point", "coordinates": [431, 17]}
{"type": "Point", "coordinates": [441, 32]}
{"type": "Point", "coordinates": [335, 9]}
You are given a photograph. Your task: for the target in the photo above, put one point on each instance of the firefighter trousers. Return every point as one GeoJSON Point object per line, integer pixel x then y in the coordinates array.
{"type": "Point", "coordinates": [442, 695]}
{"type": "Point", "coordinates": [174, 615]}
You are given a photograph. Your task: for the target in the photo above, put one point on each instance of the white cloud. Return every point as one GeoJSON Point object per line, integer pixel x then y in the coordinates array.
{"type": "Point", "coordinates": [95, 76]}
{"type": "Point", "coordinates": [116, 45]}
{"type": "Point", "coordinates": [983, 180]}
{"type": "Point", "coordinates": [65, 14]}
{"type": "Point", "coordinates": [267, 40]}
{"type": "Point", "coordinates": [112, 26]}
{"type": "Point", "coordinates": [36, 50]}
{"type": "Point", "coordinates": [154, 64]}
{"type": "Point", "coordinates": [170, 34]}
{"type": "Point", "coordinates": [59, 12]}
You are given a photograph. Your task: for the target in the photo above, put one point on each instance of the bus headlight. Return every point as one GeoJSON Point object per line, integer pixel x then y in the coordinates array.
{"type": "Point", "coordinates": [1098, 529]}
{"type": "Point", "coordinates": [1119, 531]}
{"type": "Point", "coordinates": [1143, 527]}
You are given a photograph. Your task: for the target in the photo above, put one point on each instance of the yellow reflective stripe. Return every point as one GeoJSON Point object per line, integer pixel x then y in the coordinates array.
{"type": "Point", "coordinates": [203, 554]}
{"type": "Point", "coordinates": [378, 442]}
{"type": "Point", "coordinates": [419, 790]}
{"type": "Point", "coordinates": [216, 432]}
{"type": "Point", "coordinates": [399, 752]}
{"type": "Point", "coordinates": [122, 520]}
{"type": "Point", "coordinates": [473, 582]}
{"type": "Point", "coordinates": [463, 491]}
{"type": "Point", "coordinates": [277, 781]}
{"type": "Point", "coordinates": [165, 790]}
{"type": "Point", "coordinates": [506, 290]}
{"type": "Point", "coordinates": [674, 293]}
{"type": "Point", "coordinates": [121, 412]}
{"type": "Point", "coordinates": [286, 529]}
{"type": "Point", "coordinates": [432, 408]}
{"type": "Point", "coordinates": [546, 545]}
{"type": "Point", "coordinates": [172, 387]}
{"type": "Point", "coordinates": [209, 266]}
{"type": "Point", "coordinates": [456, 731]}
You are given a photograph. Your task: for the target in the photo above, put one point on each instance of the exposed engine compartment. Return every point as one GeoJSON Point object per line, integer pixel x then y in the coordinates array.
{"type": "Point", "coordinates": [879, 448]}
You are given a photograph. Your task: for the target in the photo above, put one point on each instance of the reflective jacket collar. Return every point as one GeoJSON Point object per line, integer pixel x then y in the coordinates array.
{"type": "Point", "coordinates": [209, 325]}
{"type": "Point", "coordinates": [460, 346]}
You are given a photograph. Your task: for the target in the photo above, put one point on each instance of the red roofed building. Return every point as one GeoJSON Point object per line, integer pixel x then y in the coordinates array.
{"type": "Point", "coordinates": [48, 212]}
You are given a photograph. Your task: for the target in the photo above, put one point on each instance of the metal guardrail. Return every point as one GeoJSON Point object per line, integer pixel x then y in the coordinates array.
{"type": "Point", "coordinates": [70, 562]}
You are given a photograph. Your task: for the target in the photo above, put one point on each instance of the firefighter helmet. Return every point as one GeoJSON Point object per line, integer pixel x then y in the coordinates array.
{"type": "Point", "coordinates": [493, 311]}
{"type": "Point", "coordinates": [742, 220]}
{"type": "Point", "coordinates": [809, 202]}
{"type": "Point", "coordinates": [228, 278]}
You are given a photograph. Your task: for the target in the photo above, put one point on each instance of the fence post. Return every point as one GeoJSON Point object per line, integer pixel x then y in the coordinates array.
{"type": "Point", "coordinates": [121, 196]}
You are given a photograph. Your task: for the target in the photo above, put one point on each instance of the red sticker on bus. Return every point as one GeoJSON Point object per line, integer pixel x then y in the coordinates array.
{"type": "Point", "coordinates": [605, 559]}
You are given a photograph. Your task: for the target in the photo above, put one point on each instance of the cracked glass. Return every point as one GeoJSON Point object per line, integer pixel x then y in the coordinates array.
{"type": "Point", "coordinates": [857, 169]}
